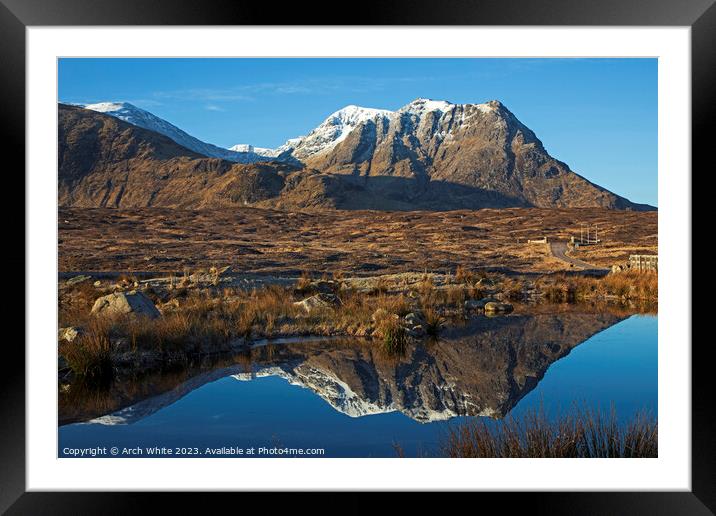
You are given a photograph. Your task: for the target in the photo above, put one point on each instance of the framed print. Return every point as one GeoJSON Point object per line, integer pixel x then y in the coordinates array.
{"type": "Point", "coordinates": [417, 253]}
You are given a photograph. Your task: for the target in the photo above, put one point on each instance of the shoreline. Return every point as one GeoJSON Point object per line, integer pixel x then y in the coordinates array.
{"type": "Point", "coordinates": [207, 313]}
{"type": "Point", "coordinates": [552, 329]}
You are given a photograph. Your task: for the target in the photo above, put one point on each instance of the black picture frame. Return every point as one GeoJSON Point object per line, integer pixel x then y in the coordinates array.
{"type": "Point", "coordinates": [17, 15]}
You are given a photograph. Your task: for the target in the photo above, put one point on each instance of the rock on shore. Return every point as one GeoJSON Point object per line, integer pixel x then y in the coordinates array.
{"type": "Point", "coordinates": [122, 303]}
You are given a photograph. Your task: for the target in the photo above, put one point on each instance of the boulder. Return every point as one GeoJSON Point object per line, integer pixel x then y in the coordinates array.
{"type": "Point", "coordinates": [318, 302]}
{"type": "Point", "coordinates": [495, 306]}
{"type": "Point", "coordinates": [70, 333]}
{"type": "Point", "coordinates": [413, 319]}
{"type": "Point", "coordinates": [125, 303]}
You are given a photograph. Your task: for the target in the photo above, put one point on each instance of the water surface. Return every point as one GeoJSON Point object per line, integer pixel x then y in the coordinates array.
{"type": "Point", "coordinates": [352, 400]}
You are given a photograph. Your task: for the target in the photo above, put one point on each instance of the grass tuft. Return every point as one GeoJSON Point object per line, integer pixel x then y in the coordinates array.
{"type": "Point", "coordinates": [434, 322]}
{"type": "Point", "coordinates": [393, 335]}
{"type": "Point", "coordinates": [584, 433]}
{"type": "Point", "coordinates": [89, 356]}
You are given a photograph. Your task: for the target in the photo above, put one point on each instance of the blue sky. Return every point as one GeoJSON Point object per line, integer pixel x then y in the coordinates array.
{"type": "Point", "coordinates": [597, 115]}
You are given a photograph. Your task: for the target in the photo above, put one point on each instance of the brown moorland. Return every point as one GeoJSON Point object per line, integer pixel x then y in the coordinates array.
{"type": "Point", "coordinates": [266, 241]}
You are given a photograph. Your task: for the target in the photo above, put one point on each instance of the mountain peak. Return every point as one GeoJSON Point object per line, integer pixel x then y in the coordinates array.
{"type": "Point", "coordinates": [111, 107]}
{"type": "Point", "coordinates": [353, 115]}
{"type": "Point", "coordinates": [454, 159]}
{"type": "Point", "coordinates": [146, 120]}
{"type": "Point", "coordinates": [425, 105]}
{"type": "Point", "coordinates": [333, 130]}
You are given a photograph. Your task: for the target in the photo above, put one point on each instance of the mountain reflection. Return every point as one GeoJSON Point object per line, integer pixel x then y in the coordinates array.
{"type": "Point", "coordinates": [484, 367]}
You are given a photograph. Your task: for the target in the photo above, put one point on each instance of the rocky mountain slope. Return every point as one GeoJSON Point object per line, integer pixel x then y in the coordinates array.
{"type": "Point", "coordinates": [428, 155]}
{"type": "Point", "coordinates": [104, 161]}
{"type": "Point", "coordinates": [146, 120]}
{"type": "Point", "coordinates": [476, 154]}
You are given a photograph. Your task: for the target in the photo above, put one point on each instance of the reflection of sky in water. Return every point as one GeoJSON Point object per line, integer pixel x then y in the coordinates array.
{"type": "Point", "coordinates": [618, 365]}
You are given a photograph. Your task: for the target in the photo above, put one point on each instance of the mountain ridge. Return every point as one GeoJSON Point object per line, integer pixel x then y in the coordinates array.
{"type": "Point", "coordinates": [429, 154]}
{"type": "Point", "coordinates": [146, 120]}
{"type": "Point", "coordinates": [481, 146]}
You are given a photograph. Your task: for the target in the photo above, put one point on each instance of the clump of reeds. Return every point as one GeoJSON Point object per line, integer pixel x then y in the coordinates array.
{"type": "Point", "coordinates": [463, 275]}
{"type": "Point", "coordinates": [512, 288]}
{"type": "Point", "coordinates": [633, 284]}
{"type": "Point", "coordinates": [399, 304]}
{"type": "Point", "coordinates": [426, 285]}
{"type": "Point", "coordinates": [433, 321]}
{"type": "Point", "coordinates": [89, 356]}
{"type": "Point", "coordinates": [584, 433]}
{"type": "Point", "coordinates": [394, 338]}
{"type": "Point", "coordinates": [393, 335]}
{"type": "Point", "coordinates": [625, 286]}
{"type": "Point", "coordinates": [455, 295]}
{"type": "Point", "coordinates": [303, 283]}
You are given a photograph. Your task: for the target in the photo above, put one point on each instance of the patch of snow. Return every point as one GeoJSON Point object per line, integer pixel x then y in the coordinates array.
{"type": "Point", "coordinates": [422, 106]}
{"type": "Point", "coordinates": [261, 151]}
{"type": "Point", "coordinates": [333, 130]}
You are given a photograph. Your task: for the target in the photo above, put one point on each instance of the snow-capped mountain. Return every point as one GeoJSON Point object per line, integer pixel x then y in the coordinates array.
{"type": "Point", "coordinates": [261, 151]}
{"type": "Point", "coordinates": [334, 130]}
{"type": "Point", "coordinates": [141, 118]}
{"type": "Point", "coordinates": [327, 135]}
{"type": "Point", "coordinates": [429, 154]}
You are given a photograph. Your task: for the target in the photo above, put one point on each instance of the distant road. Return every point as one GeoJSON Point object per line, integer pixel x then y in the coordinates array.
{"type": "Point", "coordinates": [559, 250]}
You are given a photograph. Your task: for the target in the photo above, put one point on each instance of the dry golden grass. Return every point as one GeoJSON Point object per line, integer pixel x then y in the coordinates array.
{"type": "Point", "coordinates": [354, 242]}
{"type": "Point", "coordinates": [392, 334]}
{"type": "Point", "coordinates": [629, 285]}
{"type": "Point", "coordinates": [199, 320]}
{"type": "Point", "coordinates": [583, 433]}
{"type": "Point", "coordinates": [89, 356]}
{"type": "Point", "coordinates": [304, 281]}
{"type": "Point", "coordinates": [463, 275]}
{"type": "Point", "coordinates": [203, 320]}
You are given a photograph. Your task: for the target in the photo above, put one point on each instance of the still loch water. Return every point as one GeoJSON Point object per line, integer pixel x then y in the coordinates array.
{"type": "Point", "coordinates": [350, 400]}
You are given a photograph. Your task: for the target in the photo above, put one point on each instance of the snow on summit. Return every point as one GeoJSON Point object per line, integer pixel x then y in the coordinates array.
{"type": "Point", "coordinates": [333, 130]}
{"type": "Point", "coordinates": [146, 120]}
{"type": "Point", "coordinates": [261, 151]}
{"type": "Point", "coordinates": [420, 106]}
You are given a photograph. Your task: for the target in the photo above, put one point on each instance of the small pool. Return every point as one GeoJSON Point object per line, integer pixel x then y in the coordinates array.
{"type": "Point", "coordinates": [348, 399]}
